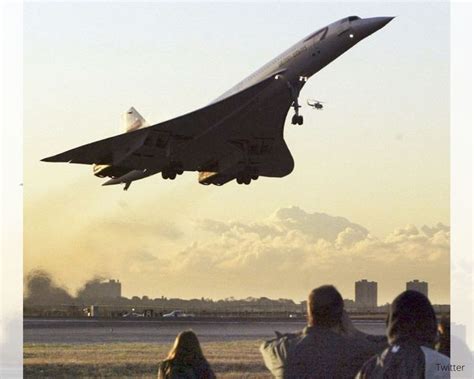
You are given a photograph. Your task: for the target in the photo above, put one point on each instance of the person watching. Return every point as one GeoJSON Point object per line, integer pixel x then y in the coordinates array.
{"type": "Point", "coordinates": [185, 360]}
{"type": "Point", "coordinates": [328, 347]}
{"type": "Point", "coordinates": [411, 332]}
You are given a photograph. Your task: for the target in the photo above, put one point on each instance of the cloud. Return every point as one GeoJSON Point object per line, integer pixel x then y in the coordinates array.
{"type": "Point", "coordinates": [435, 229]}
{"type": "Point", "coordinates": [293, 249]}
{"type": "Point", "coordinates": [317, 225]}
{"type": "Point", "coordinates": [283, 255]}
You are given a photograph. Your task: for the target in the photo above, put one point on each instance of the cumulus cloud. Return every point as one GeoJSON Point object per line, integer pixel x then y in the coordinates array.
{"type": "Point", "coordinates": [283, 255]}
{"type": "Point", "coordinates": [317, 225]}
{"type": "Point", "coordinates": [439, 227]}
{"type": "Point", "coordinates": [293, 250]}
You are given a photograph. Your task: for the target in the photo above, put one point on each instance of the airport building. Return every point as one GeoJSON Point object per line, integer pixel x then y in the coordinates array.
{"type": "Point", "coordinates": [416, 285]}
{"type": "Point", "coordinates": [365, 294]}
{"type": "Point", "coordinates": [111, 289]}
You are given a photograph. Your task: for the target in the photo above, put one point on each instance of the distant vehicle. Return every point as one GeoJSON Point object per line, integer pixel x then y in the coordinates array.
{"type": "Point", "coordinates": [239, 135]}
{"type": "Point", "coordinates": [316, 104]}
{"type": "Point", "coordinates": [177, 313]}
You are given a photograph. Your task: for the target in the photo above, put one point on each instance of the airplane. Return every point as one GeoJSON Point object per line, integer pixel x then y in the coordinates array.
{"type": "Point", "coordinates": [237, 136]}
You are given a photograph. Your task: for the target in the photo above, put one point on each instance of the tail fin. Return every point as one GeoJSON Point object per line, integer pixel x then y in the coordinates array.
{"type": "Point", "coordinates": [133, 120]}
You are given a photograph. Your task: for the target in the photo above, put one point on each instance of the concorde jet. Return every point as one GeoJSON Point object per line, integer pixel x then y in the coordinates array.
{"type": "Point", "coordinates": [239, 135]}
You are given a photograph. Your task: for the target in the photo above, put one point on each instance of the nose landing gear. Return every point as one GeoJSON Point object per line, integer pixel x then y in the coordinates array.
{"type": "Point", "coordinates": [297, 119]}
{"type": "Point", "coordinates": [294, 87]}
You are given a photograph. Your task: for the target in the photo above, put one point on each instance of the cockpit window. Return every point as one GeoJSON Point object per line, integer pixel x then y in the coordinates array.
{"type": "Point", "coordinates": [353, 18]}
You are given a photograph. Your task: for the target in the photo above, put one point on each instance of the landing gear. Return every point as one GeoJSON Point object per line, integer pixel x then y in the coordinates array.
{"type": "Point", "coordinates": [246, 176]}
{"type": "Point", "coordinates": [244, 179]}
{"type": "Point", "coordinates": [127, 185]}
{"type": "Point", "coordinates": [168, 174]}
{"type": "Point", "coordinates": [172, 170]}
{"type": "Point", "coordinates": [297, 119]}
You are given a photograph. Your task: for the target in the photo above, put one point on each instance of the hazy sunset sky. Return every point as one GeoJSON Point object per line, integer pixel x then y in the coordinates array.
{"type": "Point", "coordinates": [369, 196]}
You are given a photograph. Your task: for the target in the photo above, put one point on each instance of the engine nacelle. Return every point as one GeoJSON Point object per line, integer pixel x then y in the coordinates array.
{"type": "Point", "coordinates": [212, 177]}
{"type": "Point", "coordinates": [106, 170]}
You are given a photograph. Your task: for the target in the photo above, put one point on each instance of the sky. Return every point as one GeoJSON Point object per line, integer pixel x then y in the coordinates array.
{"type": "Point", "coordinates": [369, 196]}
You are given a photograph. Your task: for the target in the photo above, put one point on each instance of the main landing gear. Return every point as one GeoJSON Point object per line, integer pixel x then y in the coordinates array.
{"type": "Point", "coordinates": [246, 176]}
{"type": "Point", "coordinates": [172, 170]}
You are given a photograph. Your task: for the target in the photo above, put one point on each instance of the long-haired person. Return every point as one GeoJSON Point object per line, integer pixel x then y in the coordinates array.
{"type": "Point", "coordinates": [185, 360]}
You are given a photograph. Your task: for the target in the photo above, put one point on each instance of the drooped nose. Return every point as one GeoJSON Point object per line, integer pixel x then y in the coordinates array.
{"type": "Point", "coordinates": [365, 27]}
{"type": "Point", "coordinates": [379, 22]}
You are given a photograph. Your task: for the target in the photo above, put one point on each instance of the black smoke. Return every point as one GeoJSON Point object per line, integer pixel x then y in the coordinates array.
{"type": "Point", "coordinates": [42, 289]}
{"type": "Point", "coordinates": [84, 292]}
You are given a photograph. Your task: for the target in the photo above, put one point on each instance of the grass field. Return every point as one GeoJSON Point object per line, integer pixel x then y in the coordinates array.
{"type": "Point", "coordinates": [237, 359]}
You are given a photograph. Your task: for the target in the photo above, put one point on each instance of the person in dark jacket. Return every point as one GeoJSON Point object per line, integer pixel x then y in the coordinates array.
{"type": "Point", "coordinates": [185, 360]}
{"type": "Point", "coordinates": [411, 332]}
{"type": "Point", "coordinates": [329, 347]}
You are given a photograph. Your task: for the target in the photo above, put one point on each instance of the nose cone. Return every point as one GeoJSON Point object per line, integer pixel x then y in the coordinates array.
{"type": "Point", "coordinates": [367, 26]}
{"type": "Point", "coordinates": [379, 22]}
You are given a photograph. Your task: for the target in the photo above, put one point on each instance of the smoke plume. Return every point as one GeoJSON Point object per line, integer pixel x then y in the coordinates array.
{"type": "Point", "coordinates": [41, 289]}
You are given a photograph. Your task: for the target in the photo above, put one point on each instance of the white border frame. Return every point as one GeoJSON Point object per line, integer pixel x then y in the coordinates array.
{"type": "Point", "coordinates": [11, 156]}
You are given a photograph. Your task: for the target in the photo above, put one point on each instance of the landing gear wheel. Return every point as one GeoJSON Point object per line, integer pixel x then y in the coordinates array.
{"type": "Point", "coordinates": [246, 176]}
{"type": "Point", "coordinates": [294, 119]}
{"type": "Point", "coordinates": [173, 169]}
{"type": "Point", "coordinates": [178, 168]}
{"type": "Point", "coordinates": [168, 174]}
{"type": "Point", "coordinates": [297, 119]}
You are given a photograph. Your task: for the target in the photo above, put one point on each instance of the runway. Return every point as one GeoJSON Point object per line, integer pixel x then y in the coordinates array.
{"type": "Point", "coordinates": [86, 331]}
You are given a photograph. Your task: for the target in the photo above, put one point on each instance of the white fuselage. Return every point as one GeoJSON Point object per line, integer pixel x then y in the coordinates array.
{"type": "Point", "coordinates": [314, 52]}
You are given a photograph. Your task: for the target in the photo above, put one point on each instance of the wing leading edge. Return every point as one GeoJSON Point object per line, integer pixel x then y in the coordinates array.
{"type": "Point", "coordinates": [238, 137]}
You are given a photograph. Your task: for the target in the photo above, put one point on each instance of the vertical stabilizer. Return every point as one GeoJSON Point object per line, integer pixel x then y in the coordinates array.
{"type": "Point", "coordinates": [133, 120]}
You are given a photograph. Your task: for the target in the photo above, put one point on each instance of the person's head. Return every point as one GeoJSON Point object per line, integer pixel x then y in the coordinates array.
{"type": "Point", "coordinates": [186, 349]}
{"type": "Point", "coordinates": [325, 307]}
{"type": "Point", "coordinates": [412, 318]}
